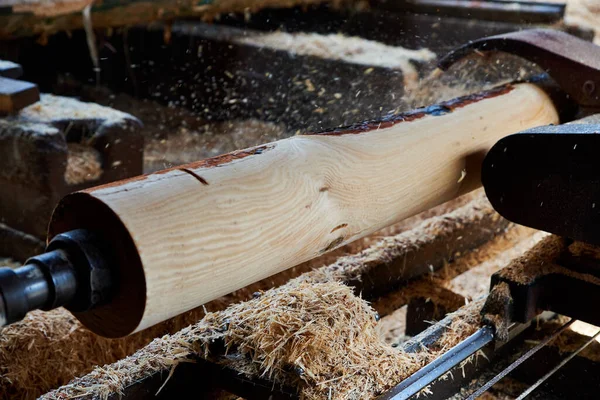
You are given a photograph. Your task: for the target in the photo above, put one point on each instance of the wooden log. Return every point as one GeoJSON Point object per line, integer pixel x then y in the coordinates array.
{"type": "Point", "coordinates": [187, 235]}
{"type": "Point", "coordinates": [35, 17]}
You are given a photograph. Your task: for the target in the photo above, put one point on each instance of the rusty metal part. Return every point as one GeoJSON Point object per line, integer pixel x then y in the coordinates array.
{"type": "Point", "coordinates": [16, 95]}
{"type": "Point", "coordinates": [573, 63]}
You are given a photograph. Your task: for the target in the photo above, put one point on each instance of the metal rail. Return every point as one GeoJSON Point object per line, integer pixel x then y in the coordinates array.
{"type": "Point", "coordinates": [519, 361]}
{"type": "Point", "coordinates": [559, 366]}
{"type": "Point", "coordinates": [437, 368]}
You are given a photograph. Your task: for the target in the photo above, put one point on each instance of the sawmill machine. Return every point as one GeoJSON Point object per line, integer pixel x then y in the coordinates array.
{"type": "Point", "coordinates": [136, 250]}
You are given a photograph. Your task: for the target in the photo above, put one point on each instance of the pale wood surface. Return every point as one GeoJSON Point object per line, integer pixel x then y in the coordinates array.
{"type": "Point", "coordinates": [200, 237]}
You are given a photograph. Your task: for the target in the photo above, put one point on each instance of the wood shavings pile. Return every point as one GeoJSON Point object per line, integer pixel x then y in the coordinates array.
{"type": "Point", "coordinates": [53, 108]}
{"type": "Point", "coordinates": [318, 337]}
{"type": "Point", "coordinates": [38, 353]}
{"type": "Point", "coordinates": [353, 50]}
{"type": "Point", "coordinates": [27, 343]}
{"type": "Point", "coordinates": [321, 332]}
{"type": "Point", "coordinates": [84, 164]}
{"type": "Point", "coordinates": [543, 259]}
{"type": "Point", "coordinates": [465, 321]}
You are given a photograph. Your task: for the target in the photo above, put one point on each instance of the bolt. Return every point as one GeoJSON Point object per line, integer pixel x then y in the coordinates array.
{"type": "Point", "coordinates": [589, 87]}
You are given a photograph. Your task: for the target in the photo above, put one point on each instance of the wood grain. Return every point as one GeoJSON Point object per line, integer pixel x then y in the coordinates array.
{"type": "Point", "coordinates": [205, 229]}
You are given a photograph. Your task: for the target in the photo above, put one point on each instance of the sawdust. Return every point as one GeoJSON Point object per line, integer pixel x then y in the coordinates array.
{"type": "Point", "coordinates": [585, 14]}
{"type": "Point", "coordinates": [38, 353]}
{"type": "Point", "coordinates": [475, 73]}
{"type": "Point", "coordinates": [84, 164]}
{"type": "Point", "coordinates": [465, 321]}
{"type": "Point", "coordinates": [320, 332]}
{"type": "Point", "coordinates": [317, 336]}
{"type": "Point", "coordinates": [48, 336]}
{"type": "Point", "coordinates": [9, 262]}
{"type": "Point", "coordinates": [353, 50]}
{"type": "Point", "coordinates": [542, 260]}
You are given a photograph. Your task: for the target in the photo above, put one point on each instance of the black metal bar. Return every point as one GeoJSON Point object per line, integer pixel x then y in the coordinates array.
{"type": "Point", "coordinates": [432, 371]}
{"type": "Point", "coordinates": [490, 10]}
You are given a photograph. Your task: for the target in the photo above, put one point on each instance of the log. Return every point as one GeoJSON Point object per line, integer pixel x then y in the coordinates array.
{"type": "Point", "coordinates": [187, 235]}
{"type": "Point", "coordinates": [46, 17]}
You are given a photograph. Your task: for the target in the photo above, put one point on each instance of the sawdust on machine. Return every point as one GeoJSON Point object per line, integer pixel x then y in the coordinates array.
{"type": "Point", "coordinates": [543, 259]}
{"type": "Point", "coordinates": [84, 164]}
{"type": "Point", "coordinates": [354, 50]}
{"type": "Point", "coordinates": [475, 73]}
{"type": "Point", "coordinates": [316, 336]}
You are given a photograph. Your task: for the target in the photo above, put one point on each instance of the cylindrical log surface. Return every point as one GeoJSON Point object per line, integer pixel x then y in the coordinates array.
{"type": "Point", "coordinates": [188, 235]}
